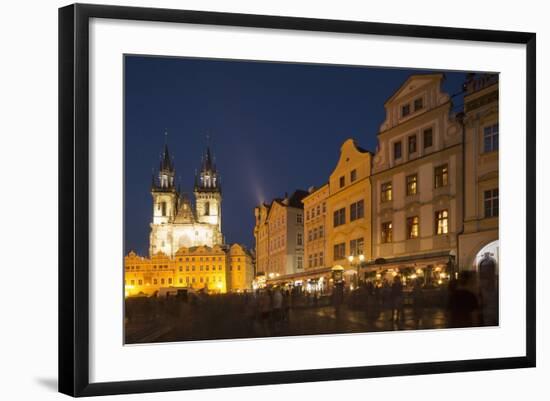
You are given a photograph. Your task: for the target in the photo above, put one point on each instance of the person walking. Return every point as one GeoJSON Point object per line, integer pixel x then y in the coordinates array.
{"type": "Point", "coordinates": [397, 299]}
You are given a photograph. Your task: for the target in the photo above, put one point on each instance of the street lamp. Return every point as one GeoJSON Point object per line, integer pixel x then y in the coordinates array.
{"type": "Point", "coordinates": [351, 259]}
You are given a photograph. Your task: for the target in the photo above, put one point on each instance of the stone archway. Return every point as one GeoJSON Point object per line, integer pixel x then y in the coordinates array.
{"type": "Point", "coordinates": [486, 264]}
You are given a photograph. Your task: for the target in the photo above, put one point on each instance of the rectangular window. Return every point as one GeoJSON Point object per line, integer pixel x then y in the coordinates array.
{"type": "Point", "coordinates": [155, 281]}
{"type": "Point", "coordinates": [299, 238]}
{"type": "Point", "coordinates": [442, 222]}
{"type": "Point", "coordinates": [418, 104]}
{"type": "Point", "coordinates": [162, 281]}
{"type": "Point", "coordinates": [412, 184]}
{"type": "Point", "coordinates": [490, 138]}
{"type": "Point", "coordinates": [356, 246]}
{"type": "Point", "coordinates": [299, 263]}
{"type": "Point", "coordinates": [163, 208]}
{"type": "Point", "coordinates": [315, 233]}
{"type": "Point", "coordinates": [309, 235]}
{"type": "Point", "coordinates": [339, 217]}
{"type": "Point", "coordinates": [412, 144]}
{"type": "Point", "coordinates": [324, 207]}
{"type": "Point", "coordinates": [339, 251]}
{"type": "Point", "coordinates": [441, 176]}
{"type": "Point", "coordinates": [307, 215]}
{"type": "Point", "coordinates": [387, 234]}
{"type": "Point", "coordinates": [140, 282]}
{"type": "Point", "coordinates": [299, 218]}
{"type": "Point", "coordinates": [412, 227]}
{"type": "Point", "coordinates": [405, 110]}
{"type": "Point", "coordinates": [428, 137]}
{"type": "Point", "coordinates": [310, 261]}
{"type": "Point", "coordinates": [342, 181]}
{"type": "Point", "coordinates": [386, 192]}
{"type": "Point", "coordinates": [314, 259]}
{"type": "Point", "coordinates": [321, 231]}
{"type": "Point", "coordinates": [321, 259]}
{"type": "Point", "coordinates": [353, 175]}
{"type": "Point", "coordinates": [490, 202]}
{"type": "Point", "coordinates": [170, 280]}
{"type": "Point", "coordinates": [397, 150]}
{"type": "Point", "coordinates": [357, 210]}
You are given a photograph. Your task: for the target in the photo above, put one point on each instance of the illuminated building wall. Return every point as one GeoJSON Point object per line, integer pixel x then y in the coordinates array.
{"type": "Point", "coordinates": [417, 175]}
{"type": "Point", "coordinates": [213, 269]}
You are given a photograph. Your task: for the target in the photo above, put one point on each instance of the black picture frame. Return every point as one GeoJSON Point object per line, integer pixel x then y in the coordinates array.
{"type": "Point", "coordinates": [74, 199]}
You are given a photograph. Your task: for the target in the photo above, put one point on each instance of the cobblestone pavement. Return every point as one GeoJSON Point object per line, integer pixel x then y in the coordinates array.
{"type": "Point", "coordinates": [182, 322]}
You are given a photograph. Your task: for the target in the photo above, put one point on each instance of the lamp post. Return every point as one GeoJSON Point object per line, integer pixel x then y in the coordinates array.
{"type": "Point", "coordinates": [357, 265]}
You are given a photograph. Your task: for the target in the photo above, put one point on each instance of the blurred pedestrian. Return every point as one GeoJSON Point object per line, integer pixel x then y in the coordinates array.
{"type": "Point", "coordinates": [397, 299]}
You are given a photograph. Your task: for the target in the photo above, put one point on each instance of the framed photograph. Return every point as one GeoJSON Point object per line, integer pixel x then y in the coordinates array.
{"type": "Point", "coordinates": [250, 199]}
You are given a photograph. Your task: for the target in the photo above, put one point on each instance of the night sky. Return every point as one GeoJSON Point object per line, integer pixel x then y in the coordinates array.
{"type": "Point", "coordinates": [273, 128]}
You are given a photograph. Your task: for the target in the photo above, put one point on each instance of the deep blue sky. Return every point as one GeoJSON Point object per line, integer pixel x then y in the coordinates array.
{"type": "Point", "coordinates": [274, 127]}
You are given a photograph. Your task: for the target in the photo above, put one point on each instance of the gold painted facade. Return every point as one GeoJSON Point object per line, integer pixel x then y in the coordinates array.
{"type": "Point", "coordinates": [213, 269]}
{"type": "Point", "coordinates": [348, 208]}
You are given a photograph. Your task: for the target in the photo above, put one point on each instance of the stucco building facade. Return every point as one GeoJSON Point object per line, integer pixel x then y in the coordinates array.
{"type": "Point", "coordinates": [417, 180]}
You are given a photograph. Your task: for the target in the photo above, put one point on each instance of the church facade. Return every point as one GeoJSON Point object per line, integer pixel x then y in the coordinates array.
{"type": "Point", "coordinates": [177, 222]}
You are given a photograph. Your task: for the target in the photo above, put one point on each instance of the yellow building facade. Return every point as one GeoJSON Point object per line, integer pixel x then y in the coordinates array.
{"type": "Point", "coordinates": [349, 234]}
{"type": "Point", "coordinates": [212, 269]}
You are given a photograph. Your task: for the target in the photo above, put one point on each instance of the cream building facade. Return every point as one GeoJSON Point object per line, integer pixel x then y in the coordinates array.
{"type": "Point", "coordinates": [417, 181]}
{"type": "Point", "coordinates": [478, 244]}
{"type": "Point", "coordinates": [279, 236]}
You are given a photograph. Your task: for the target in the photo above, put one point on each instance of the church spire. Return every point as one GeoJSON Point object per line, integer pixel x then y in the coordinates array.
{"type": "Point", "coordinates": [166, 168]}
{"type": "Point", "coordinates": [207, 178]}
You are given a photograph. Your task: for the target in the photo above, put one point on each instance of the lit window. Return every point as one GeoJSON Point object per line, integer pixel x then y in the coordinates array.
{"type": "Point", "coordinates": [412, 227]}
{"type": "Point", "coordinates": [356, 246]}
{"type": "Point", "coordinates": [386, 192]}
{"type": "Point", "coordinates": [490, 138]}
{"type": "Point", "coordinates": [441, 176]}
{"type": "Point", "coordinates": [387, 234]}
{"type": "Point", "coordinates": [490, 201]}
{"type": "Point", "coordinates": [412, 184]}
{"type": "Point", "coordinates": [442, 222]}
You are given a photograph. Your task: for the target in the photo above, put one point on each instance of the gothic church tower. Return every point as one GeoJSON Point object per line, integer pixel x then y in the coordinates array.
{"type": "Point", "coordinates": [208, 195]}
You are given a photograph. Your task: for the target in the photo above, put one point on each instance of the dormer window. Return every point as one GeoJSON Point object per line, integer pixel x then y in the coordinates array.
{"type": "Point", "coordinates": [405, 110]}
{"type": "Point", "coordinates": [418, 104]}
